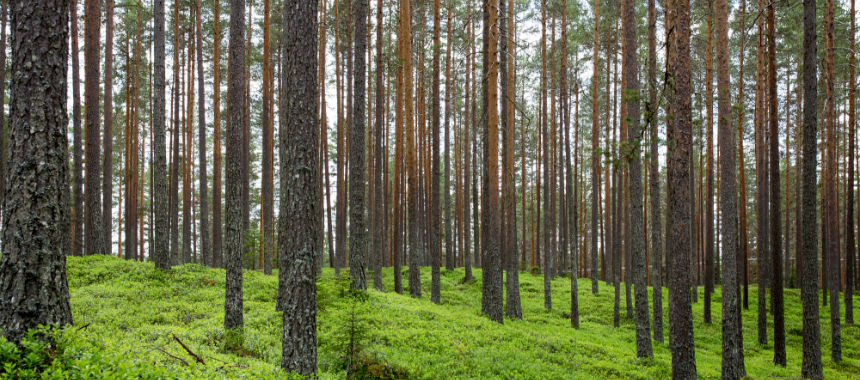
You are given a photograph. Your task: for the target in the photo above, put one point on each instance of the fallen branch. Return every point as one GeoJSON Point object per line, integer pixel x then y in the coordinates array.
{"type": "Point", "coordinates": [163, 351]}
{"type": "Point", "coordinates": [188, 350]}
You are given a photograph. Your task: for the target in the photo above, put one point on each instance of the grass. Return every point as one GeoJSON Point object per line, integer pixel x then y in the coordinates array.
{"type": "Point", "coordinates": [126, 312]}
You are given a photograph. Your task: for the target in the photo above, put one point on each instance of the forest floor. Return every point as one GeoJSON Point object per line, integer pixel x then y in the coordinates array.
{"type": "Point", "coordinates": [127, 314]}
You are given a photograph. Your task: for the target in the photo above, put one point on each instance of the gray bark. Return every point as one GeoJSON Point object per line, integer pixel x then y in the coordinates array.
{"type": "Point", "coordinates": [234, 233]}
{"type": "Point", "coordinates": [33, 286]}
{"type": "Point", "coordinates": [300, 224]}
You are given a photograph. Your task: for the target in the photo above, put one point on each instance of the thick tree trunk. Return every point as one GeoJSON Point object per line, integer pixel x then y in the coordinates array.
{"type": "Point", "coordinates": [679, 195]}
{"type": "Point", "coordinates": [733, 354]}
{"type": "Point", "coordinates": [234, 233]}
{"type": "Point", "coordinates": [633, 154]}
{"type": "Point", "coordinates": [435, 205]}
{"type": "Point", "coordinates": [811, 365]}
{"type": "Point", "coordinates": [38, 173]}
{"type": "Point", "coordinates": [300, 224]}
{"type": "Point", "coordinates": [357, 185]}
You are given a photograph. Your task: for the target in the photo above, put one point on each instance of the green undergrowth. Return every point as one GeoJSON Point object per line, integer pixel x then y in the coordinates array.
{"type": "Point", "coordinates": [126, 315]}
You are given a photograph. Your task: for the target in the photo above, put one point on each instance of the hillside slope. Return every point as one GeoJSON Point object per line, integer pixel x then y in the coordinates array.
{"type": "Point", "coordinates": [126, 314]}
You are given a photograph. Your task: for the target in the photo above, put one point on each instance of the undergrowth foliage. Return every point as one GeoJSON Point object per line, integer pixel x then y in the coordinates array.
{"type": "Point", "coordinates": [127, 314]}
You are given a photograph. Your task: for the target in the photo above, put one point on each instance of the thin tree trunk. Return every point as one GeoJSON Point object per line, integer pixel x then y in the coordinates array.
{"type": "Point", "coordinates": [831, 247]}
{"type": "Point", "coordinates": [94, 243]}
{"type": "Point", "coordinates": [709, 130]}
{"type": "Point", "coordinates": [595, 155]}
{"type": "Point", "coordinates": [850, 249]}
{"type": "Point", "coordinates": [216, 122]}
{"type": "Point", "coordinates": [107, 170]}
{"type": "Point", "coordinates": [775, 233]}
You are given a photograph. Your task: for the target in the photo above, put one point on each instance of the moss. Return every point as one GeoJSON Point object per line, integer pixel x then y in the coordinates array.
{"type": "Point", "coordinates": [131, 310]}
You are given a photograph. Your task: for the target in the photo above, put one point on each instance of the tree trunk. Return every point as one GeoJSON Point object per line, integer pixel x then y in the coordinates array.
{"type": "Point", "coordinates": [216, 122]}
{"type": "Point", "coordinates": [761, 182]}
{"type": "Point", "coordinates": [381, 160]}
{"type": "Point", "coordinates": [811, 364]}
{"type": "Point", "coordinates": [775, 233]}
{"type": "Point", "coordinates": [435, 205]}
{"type": "Point", "coordinates": [850, 249]}
{"type": "Point", "coordinates": [94, 243]}
{"type": "Point", "coordinates": [174, 142]}
{"type": "Point", "coordinates": [37, 172]}
{"type": "Point", "coordinates": [679, 195]}
{"type": "Point", "coordinates": [107, 170]}
{"type": "Point", "coordinates": [709, 192]}
{"type": "Point", "coordinates": [203, 196]}
{"type": "Point", "coordinates": [633, 154]}
{"type": "Point", "coordinates": [300, 224]}
{"type": "Point", "coordinates": [357, 233]}
{"type": "Point", "coordinates": [831, 244]}
{"type": "Point", "coordinates": [67, 243]}
{"type": "Point", "coordinates": [234, 234]}
{"type": "Point", "coordinates": [654, 181]}
{"type": "Point", "coordinates": [595, 154]}
{"type": "Point", "coordinates": [160, 253]}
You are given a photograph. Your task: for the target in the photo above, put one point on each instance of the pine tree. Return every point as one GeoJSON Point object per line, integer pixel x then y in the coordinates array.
{"type": "Point", "coordinates": [633, 154]}
{"type": "Point", "coordinates": [811, 366]}
{"type": "Point", "coordinates": [679, 194]}
{"type": "Point", "coordinates": [107, 169]}
{"type": "Point", "coordinates": [733, 354]}
{"type": "Point", "coordinates": [775, 233]}
{"type": "Point", "coordinates": [300, 223]}
{"type": "Point", "coordinates": [160, 253]}
{"type": "Point", "coordinates": [38, 165]}
{"type": "Point", "coordinates": [234, 234]}
{"type": "Point", "coordinates": [93, 243]}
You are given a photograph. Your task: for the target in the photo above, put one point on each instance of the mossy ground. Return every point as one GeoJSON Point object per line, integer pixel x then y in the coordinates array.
{"type": "Point", "coordinates": [130, 311]}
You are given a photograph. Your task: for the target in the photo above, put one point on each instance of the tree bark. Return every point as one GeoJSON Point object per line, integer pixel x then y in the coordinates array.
{"type": "Point", "coordinates": [679, 194]}
{"type": "Point", "coordinates": [160, 253]}
{"type": "Point", "coordinates": [850, 248]}
{"type": "Point", "coordinates": [300, 224]}
{"type": "Point", "coordinates": [811, 363]}
{"type": "Point", "coordinates": [595, 155]}
{"type": "Point", "coordinates": [733, 354]}
{"type": "Point", "coordinates": [37, 173]}
{"type": "Point", "coordinates": [633, 154]}
{"type": "Point", "coordinates": [654, 181]}
{"type": "Point", "coordinates": [234, 234]}
{"type": "Point", "coordinates": [775, 233]}
{"type": "Point", "coordinates": [94, 243]}
{"type": "Point", "coordinates": [831, 244]}
{"type": "Point", "coordinates": [216, 123]}
{"type": "Point", "coordinates": [709, 192]}
{"type": "Point", "coordinates": [107, 176]}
